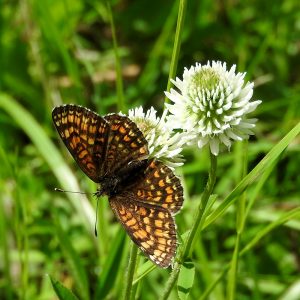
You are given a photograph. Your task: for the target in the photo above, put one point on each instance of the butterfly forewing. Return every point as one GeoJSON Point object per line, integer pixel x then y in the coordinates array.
{"type": "Point", "coordinates": [126, 143]}
{"type": "Point", "coordinates": [85, 135]}
{"type": "Point", "coordinates": [151, 227]}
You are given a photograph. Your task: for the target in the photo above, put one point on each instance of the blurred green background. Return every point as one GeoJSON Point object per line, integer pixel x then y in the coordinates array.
{"type": "Point", "coordinates": [54, 52]}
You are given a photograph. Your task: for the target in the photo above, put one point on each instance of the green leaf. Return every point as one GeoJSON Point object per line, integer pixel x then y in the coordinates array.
{"type": "Point", "coordinates": [143, 270]}
{"type": "Point", "coordinates": [287, 217]}
{"type": "Point", "coordinates": [25, 120]}
{"type": "Point", "coordinates": [54, 35]}
{"type": "Point", "coordinates": [4, 242]}
{"type": "Point", "coordinates": [61, 291]}
{"type": "Point", "coordinates": [119, 82]}
{"type": "Point", "coordinates": [260, 168]}
{"type": "Point", "coordinates": [74, 263]}
{"type": "Point", "coordinates": [107, 277]}
{"type": "Point", "coordinates": [185, 279]}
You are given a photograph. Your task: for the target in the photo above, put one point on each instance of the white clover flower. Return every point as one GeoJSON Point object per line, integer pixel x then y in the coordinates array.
{"type": "Point", "coordinates": [212, 104]}
{"type": "Point", "coordinates": [163, 143]}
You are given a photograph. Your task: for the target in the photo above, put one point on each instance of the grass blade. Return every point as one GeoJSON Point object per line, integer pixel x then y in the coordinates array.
{"type": "Point", "coordinates": [61, 291]}
{"type": "Point", "coordinates": [120, 93]}
{"type": "Point", "coordinates": [74, 262]}
{"type": "Point", "coordinates": [4, 246]}
{"type": "Point", "coordinates": [177, 43]}
{"type": "Point", "coordinates": [51, 155]}
{"type": "Point", "coordinates": [294, 213]}
{"type": "Point", "coordinates": [260, 168]}
{"type": "Point", "coordinates": [107, 277]}
{"type": "Point", "coordinates": [289, 216]}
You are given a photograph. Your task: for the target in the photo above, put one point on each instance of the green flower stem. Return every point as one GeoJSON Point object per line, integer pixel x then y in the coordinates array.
{"type": "Point", "coordinates": [130, 271]}
{"type": "Point", "coordinates": [170, 283]}
{"type": "Point", "coordinates": [120, 93]}
{"type": "Point", "coordinates": [193, 234]}
{"type": "Point", "coordinates": [177, 43]}
{"type": "Point", "coordinates": [189, 245]}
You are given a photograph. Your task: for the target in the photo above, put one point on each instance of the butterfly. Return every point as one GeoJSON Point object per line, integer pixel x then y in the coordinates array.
{"type": "Point", "coordinates": [143, 193]}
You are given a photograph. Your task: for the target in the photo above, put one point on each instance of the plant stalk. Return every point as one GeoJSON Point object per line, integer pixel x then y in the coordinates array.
{"type": "Point", "coordinates": [177, 43]}
{"type": "Point", "coordinates": [130, 271]}
{"type": "Point", "coordinates": [194, 233]}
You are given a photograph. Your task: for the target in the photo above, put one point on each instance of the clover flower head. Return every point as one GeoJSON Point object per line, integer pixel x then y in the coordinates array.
{"type": "Point", "coordinates": [163, 143]}
{"type": "Point", "coordinates": [212, 103]}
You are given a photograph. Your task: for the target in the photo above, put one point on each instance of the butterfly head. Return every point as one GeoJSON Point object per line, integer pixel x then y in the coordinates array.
{"type": "Point", "coordinates": [108, 186]}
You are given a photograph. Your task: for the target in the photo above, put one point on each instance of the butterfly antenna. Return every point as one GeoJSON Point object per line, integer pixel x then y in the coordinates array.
{"type": "Point", "coordinates": [96, 222]}
{"type": "Point", "coordinates": [64, 191]}
{"type": "Point", "coordinates": [82, 193]}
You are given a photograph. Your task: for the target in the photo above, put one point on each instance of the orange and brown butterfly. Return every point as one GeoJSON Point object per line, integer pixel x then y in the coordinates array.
{"type": "Point", "coordinates": [143, 193]}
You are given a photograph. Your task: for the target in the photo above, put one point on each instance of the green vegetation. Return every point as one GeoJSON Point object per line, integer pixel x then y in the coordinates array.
{"type": "Point", "coordinates": [112, 56]}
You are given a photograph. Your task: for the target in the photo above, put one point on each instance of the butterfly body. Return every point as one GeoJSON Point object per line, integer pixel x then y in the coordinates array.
{"type": "Point", "coordinates": [143, 193]}
{"type": "Point", "coordinates": [113, 184]}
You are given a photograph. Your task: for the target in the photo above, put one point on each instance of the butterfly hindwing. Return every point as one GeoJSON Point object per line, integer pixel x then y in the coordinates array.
{"type": "Point", "coordinates": [152, 228]}
{"type": "Point", "coordinates": [145, 207]}
{"type": "Point", "coordinates": [160, 187]}
{"type": "Point", "coordinates": [85, 134]}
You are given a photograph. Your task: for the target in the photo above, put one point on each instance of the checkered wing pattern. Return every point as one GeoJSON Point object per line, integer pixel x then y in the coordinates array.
{"type": "Point", "coordinates": [146, 208]}
{"type": "Point", "coordinates": [160, 187]}
{"type": "Point", "coordinates": [152, 228]}
{"type": "Point", "coordinates": [85, 134]}
{"type": "Point", "coordinates": [126, 143]}
{"type": "Point", "coordinates": [145, 195]}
